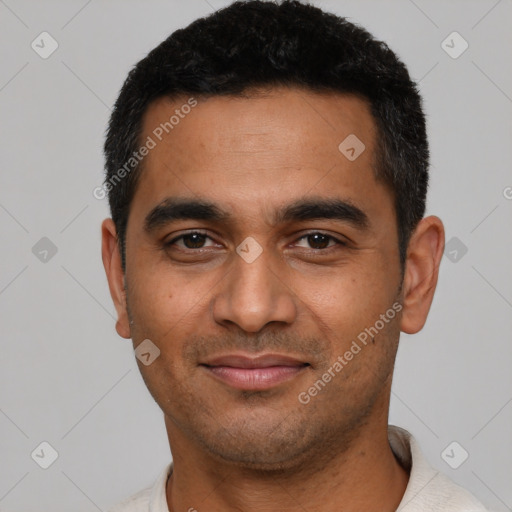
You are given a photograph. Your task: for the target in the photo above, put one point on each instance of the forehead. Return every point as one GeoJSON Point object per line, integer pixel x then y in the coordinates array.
{"type": "Point", "coordinates": [251, 122]}
{"type": "Point", "coordinates": [266, 147]}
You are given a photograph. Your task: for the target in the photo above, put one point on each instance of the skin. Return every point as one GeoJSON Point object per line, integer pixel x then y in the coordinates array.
{"type": "Point", "coordinates": [265, 450]}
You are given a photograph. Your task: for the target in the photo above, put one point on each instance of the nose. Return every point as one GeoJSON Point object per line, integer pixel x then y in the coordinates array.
{"type": "Point", "coordinates": [253, 294]}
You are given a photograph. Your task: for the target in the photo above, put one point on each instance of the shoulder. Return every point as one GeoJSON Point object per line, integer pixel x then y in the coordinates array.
{"type": "Point", "coordinates": [428, 489]}
{"type": "Point", "coordinates": [452, 497]}
{"type": "Point", "coordinates": [439, 494]}
{"type": "Point", "coordinates": [139, 502]}
{"type": "Point", "coordinates": [151, 499]}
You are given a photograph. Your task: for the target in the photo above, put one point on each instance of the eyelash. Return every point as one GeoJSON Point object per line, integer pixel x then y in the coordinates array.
{"type": "Point", "coordinates": [326, 249]}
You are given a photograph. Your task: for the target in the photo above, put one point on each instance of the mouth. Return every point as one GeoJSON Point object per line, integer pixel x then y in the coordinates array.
{"type": "Point", "coordinates": [254, 373]}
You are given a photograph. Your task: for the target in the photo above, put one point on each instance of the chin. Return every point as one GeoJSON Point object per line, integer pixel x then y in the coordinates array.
{"type": "Point", "coordinates": [265, 460]}
{"type": "Point", "coordinates": [262, 447]}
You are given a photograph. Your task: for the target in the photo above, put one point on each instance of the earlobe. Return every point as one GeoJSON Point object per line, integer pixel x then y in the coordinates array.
{"type": "Point", "coordinates": [424, 255]}
{"type": "Point", "coordinates": [115, 275]}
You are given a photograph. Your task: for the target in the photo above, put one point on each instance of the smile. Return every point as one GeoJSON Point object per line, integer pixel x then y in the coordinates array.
{"type": "Point", "coordinates": [254, 373]}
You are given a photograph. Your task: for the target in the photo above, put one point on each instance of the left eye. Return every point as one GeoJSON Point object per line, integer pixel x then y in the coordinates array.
{"type": "Point", "coordinates": [320, 240]}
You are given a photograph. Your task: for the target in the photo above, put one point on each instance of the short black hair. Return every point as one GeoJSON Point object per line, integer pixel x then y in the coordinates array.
{"type": "Point", "coordinates": [263, 44]}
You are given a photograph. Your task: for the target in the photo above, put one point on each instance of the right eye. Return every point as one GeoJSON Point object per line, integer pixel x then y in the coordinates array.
{"type": "Point", "coordinates": [190, 241]}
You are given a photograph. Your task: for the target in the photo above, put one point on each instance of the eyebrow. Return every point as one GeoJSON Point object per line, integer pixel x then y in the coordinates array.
{"type": "Point", "coordinates": [310, 208]}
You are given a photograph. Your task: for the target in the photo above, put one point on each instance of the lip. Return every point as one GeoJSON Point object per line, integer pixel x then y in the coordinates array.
{"type": "Point", "coordinates": [255, 373]}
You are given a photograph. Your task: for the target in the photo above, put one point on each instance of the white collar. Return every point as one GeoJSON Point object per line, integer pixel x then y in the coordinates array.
{"type": "Point", "coordinates": [428, 489]}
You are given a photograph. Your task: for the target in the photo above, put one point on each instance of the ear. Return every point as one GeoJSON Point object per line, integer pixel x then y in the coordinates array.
{"type": "Point", "coordinates": [115, 275]}
{"type": "Point", "coordinates": [424, 255]}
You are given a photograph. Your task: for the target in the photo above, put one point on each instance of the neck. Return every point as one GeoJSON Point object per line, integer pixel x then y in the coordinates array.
{"type": "Point", "coordinates": [363, 476]}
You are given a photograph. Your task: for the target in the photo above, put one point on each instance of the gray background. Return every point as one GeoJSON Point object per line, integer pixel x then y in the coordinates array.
{"type": "Point", "coordinates": [67, 378]}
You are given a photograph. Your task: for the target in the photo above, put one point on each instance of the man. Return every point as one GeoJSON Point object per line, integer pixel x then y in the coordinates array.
{"type": "Point", "coordinates": [267, 169]}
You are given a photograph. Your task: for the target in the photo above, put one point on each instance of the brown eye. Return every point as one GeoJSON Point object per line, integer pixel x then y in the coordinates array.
{"type": "Point", "coordinates": [319, 241]}
{"type": "Point", "coordinates": [192, 240]}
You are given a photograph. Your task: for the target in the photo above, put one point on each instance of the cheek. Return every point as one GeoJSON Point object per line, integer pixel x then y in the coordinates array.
{"type": "Point", "coordinates": [346, 302]}
{"type": "Point", "coordinates": [162, 311]}
{"type": "Point", "coordinates": [156, 303]}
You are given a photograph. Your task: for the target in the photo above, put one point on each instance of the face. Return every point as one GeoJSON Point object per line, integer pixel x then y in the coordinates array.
{"type": "Point", "coordinates": [258, 255]}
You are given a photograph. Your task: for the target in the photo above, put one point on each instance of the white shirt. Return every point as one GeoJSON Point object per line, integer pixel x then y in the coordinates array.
{"type": "Point", "coordinates": [427, 490]}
